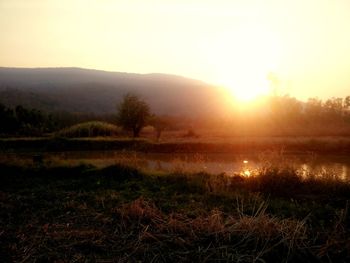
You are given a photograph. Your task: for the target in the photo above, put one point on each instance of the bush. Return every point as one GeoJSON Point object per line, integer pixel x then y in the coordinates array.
{"type": "Point", "coordinates": [90, 129]}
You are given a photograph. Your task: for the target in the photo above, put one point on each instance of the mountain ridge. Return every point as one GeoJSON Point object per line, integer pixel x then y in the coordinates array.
{"type": "Point", "coordinates": [97, 91]}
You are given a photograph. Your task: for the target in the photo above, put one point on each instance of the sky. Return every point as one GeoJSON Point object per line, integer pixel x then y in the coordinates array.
{"type": "Point", "coordinates": [295, 47]}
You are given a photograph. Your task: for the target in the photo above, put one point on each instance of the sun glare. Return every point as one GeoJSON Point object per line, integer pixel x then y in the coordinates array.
{"type": "Point", "coordinates": [242, 60]}
{"type": "Point", "coordinates": [248, 89]}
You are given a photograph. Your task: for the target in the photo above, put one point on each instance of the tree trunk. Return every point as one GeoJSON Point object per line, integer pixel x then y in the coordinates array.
{"type": "Point", "coordinates": [136, 132]}
{"type": "Point", "coordinates": [158, 133]}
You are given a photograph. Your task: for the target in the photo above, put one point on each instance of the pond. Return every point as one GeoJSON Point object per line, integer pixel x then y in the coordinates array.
{"type": "Point", "coordinates": [215, 163]}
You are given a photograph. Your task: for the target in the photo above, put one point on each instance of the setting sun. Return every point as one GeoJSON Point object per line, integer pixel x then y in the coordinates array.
{"type": "Point", "coordinates": [248, 90]}
{"type": "Point", "coordinates": [243, 59]}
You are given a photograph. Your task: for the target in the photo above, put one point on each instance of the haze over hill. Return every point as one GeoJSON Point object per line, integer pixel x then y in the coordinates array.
{"type": "Point", "coordinates": [95, 91]}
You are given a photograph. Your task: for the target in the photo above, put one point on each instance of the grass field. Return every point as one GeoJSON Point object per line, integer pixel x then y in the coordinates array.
{"type": "Point", "coordinates": [121, 214]}
{"type": "Point", "coordinates": [324, 145]}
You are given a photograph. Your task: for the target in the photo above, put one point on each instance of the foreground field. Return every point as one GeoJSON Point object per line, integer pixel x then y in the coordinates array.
{"type": "Point", "coordinates": [121, 214]}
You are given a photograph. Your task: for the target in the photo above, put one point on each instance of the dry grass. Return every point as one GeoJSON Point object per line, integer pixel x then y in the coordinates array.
{"type": "Point", "coordinates": [225, 238]}
{"type": "Point", "coordinates": [120, 214]}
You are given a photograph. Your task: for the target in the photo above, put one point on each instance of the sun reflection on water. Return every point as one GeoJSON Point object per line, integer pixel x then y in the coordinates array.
{"type": "Point", "coordinates": [246, 172]}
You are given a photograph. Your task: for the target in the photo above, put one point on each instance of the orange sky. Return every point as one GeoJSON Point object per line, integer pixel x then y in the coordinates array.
{"type": "Point", "coordinates": [304, 43]}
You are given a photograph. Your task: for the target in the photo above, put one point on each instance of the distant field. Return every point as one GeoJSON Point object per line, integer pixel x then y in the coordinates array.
{"type": "Point", "coordinates": [331, 145]}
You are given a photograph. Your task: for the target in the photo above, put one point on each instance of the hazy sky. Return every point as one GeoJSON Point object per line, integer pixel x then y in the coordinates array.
{"type": "Point", "coordinates": [304, 43]}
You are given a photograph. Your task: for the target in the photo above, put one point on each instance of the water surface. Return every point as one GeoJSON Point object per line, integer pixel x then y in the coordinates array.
{"type": "Point", "coordinates": [306, 164]}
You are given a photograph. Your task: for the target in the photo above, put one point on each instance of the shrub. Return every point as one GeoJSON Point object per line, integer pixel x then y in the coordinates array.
{"type": "Point", "coordinates": [90, 129]}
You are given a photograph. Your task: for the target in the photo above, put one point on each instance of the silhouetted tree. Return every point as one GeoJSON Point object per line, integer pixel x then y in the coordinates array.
{"type": "Point", "coordinates": [8, 122]}
{"type": "Point", "coordinates": [133, 114]}
{"type": "Point", "coordinates": [292, 109]}
{"type": "Point", "coordinates": [160, 123]}
{"type": "Point", "coordinates": [314, 109]}
{"type": "Point", "coordinates": [285, 109]}
{"type": "Point", "coordinates": [334, 109]}
{"type": "Point", "coordinates": [30, 121]}
{"type": "Point", "coordinates": [347, 102]}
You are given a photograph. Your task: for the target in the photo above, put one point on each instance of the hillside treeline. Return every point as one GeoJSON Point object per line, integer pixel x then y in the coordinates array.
{"type": "Point", "coordinates": [285, 115]}
{"type": "Point", "coordinates": [21, 121]}
{"type": "Point", "coordinates": [272, 116]}
{"type": "Point", "coordinates": [333, 110]}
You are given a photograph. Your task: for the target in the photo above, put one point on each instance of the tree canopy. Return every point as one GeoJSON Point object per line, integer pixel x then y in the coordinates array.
{"type": "Point", "coordinates": [133, 114]}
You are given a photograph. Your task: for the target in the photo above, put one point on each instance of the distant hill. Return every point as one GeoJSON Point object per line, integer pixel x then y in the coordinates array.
{"type": "Point", "coordinates": [96, 91]}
